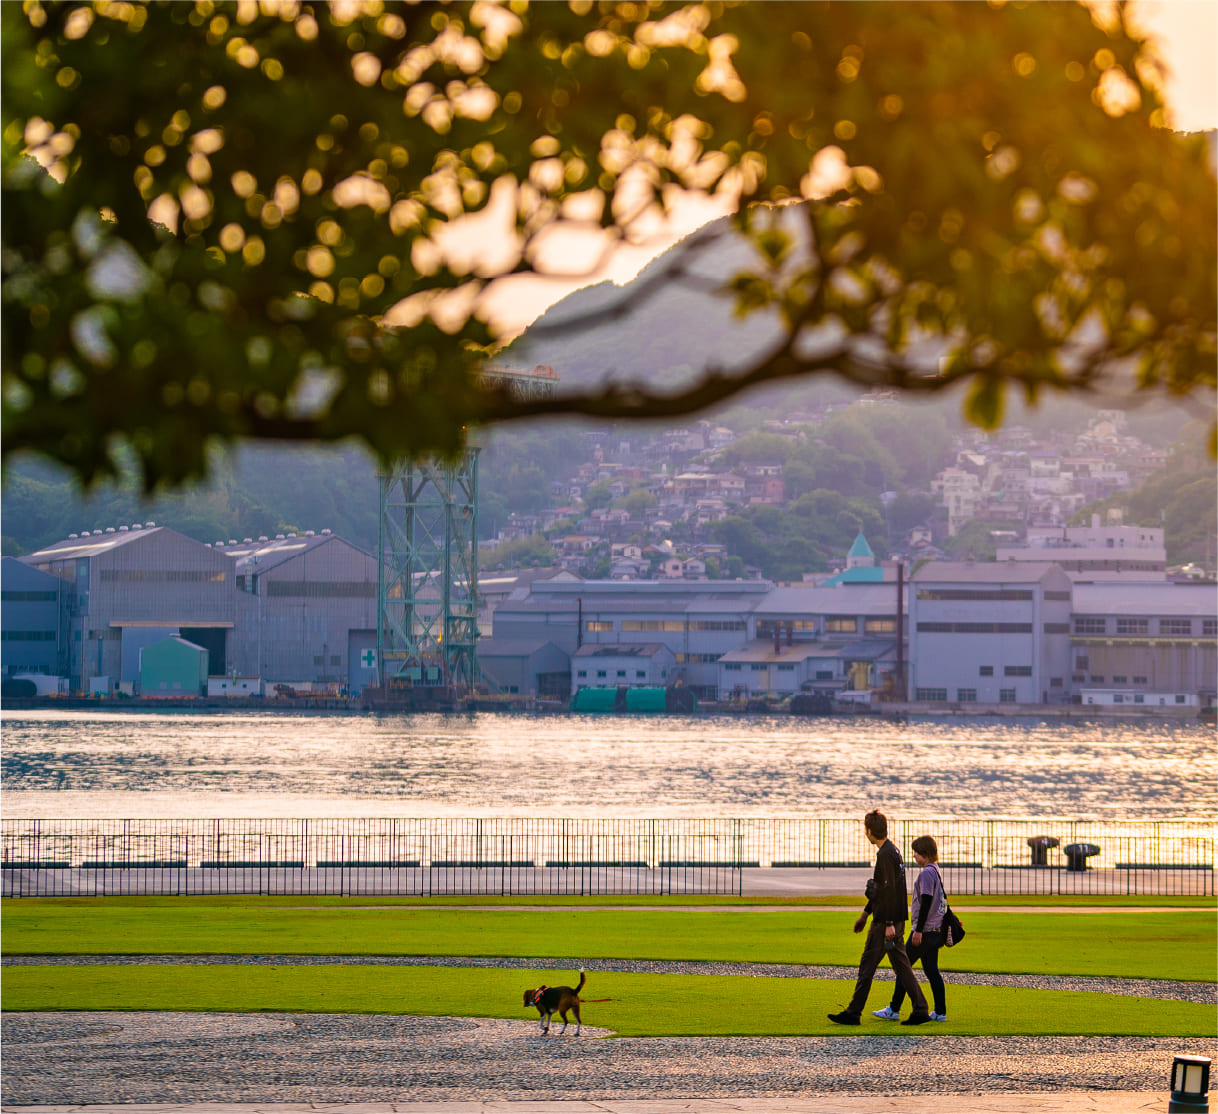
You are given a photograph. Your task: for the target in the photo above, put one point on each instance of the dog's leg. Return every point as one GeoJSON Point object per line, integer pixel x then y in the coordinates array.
{"type": "Point", "coordinates": [579, 1022]}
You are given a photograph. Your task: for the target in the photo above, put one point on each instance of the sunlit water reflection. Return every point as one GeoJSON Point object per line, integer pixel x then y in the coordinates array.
{"type": "Point", "coordinates": [249, 764]}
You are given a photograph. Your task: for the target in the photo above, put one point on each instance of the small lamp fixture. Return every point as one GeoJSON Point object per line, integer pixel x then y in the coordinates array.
{"type": "Point", "coordinates": [1190, 1084]}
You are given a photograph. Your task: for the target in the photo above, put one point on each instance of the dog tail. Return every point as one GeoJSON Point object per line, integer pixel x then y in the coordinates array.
{"type": "Point", "coordinates": [581, 980]}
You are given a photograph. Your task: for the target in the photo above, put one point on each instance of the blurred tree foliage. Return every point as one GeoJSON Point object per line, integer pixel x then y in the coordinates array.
{"type": "Point", "coordinates": [247, 220]}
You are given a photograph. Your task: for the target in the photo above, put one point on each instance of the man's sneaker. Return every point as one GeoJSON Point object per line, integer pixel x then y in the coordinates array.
{"type": "Point", "coordinates": [844, 1018]}
{"type": "Point", "coordinates": [916, 1019]}
{"type": "Point", "coordinates": [888, 1014]}
{"type": "Point", "coordinates": [937, 1016]}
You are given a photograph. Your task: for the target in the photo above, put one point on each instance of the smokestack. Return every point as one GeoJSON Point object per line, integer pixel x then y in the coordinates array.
{"type": "Point", "coordinates": [901, 689]}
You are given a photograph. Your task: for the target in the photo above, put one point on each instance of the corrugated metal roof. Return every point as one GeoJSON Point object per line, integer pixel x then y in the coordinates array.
{"type": "Point", "coordinates": [620, 650]}
{"type": "Point", "coordinates": [510, 647]}
{"type": "Point", "coordinates": [982, 572]}
{"type": "Point", "coordinates": [847, 599]}
{"type": "Point", "coordinates": [263, 555]}
{"type": "Point", "coordinates": [763, 651]}
{"type": "Point", "coordinates": [741, 606]}
{"type": "Point", "coordinates": [1148, 598]}
{"type": "Point", "coordinates": [93, 545]}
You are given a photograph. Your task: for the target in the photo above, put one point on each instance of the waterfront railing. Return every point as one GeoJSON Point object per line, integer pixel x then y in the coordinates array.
{"type": "Point", "coordinates": [539, 855]}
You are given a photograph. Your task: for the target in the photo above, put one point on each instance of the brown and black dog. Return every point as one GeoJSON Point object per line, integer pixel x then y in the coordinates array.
{"type": "Point", "coordinates": [551, 1000]}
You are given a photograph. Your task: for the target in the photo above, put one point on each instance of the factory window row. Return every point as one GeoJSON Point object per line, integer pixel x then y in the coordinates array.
{"type": "Point", "coordinates": [1178, 627]}
{"type": "Point", "coordinates": [681, 625]}
{"type": "Point", "coordinates": [1004, 594]}
{"type": "Point", "coordinates": [171, 576]}
{"type": "Point", "coordinates": [28, 635]}
{"type": "Point", "coordinates": [15, 596]}
{"type": "Point", "coordinates": [322, 589]}
{"type": "Point", "coordinates": [974, 628]}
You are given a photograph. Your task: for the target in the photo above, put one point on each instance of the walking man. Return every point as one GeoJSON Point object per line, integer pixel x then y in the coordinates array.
{"type": "Point", "coordinates": [888, 901]}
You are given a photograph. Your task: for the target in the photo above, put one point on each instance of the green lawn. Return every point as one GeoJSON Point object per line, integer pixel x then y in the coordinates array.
{"type": "Point", "coordinates": [1172, 945]}
{"type": "Point", "coordinates": [642, 1005]}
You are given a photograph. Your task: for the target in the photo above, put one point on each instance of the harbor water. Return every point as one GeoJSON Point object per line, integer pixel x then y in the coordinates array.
{"type": "Point", "coordinates": [255, 764]}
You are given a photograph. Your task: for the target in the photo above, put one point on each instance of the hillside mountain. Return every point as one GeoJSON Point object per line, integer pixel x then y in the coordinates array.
{"type": "Point", "coordinates": [678, 323]}
{"type": "Point", "coordinates": [665, 326]}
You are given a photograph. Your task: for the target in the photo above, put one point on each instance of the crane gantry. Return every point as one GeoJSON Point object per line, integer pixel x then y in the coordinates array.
{"type": "Point", "coordinates": [427, 549]}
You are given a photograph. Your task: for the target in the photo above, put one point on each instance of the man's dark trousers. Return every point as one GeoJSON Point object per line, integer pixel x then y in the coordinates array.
{"type": "Point", "coordinates": [873, 952]}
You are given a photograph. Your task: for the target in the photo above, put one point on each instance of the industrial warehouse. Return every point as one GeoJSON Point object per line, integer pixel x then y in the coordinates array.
{"type": "Point", "coordinates": [142, 611]}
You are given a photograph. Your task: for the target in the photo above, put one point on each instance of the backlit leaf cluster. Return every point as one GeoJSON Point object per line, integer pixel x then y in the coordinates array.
{"type": "Point", "coordinates": [284, 220]}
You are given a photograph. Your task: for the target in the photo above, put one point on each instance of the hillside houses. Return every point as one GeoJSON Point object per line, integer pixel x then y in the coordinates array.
{"type": "Point", "coordinates": [1011, 477]}
{"type": "Point", "coordinates": [675, 487]}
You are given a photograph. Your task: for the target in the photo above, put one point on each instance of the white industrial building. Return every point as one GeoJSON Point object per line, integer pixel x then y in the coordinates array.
{"type": "Point", "coordinates": [989, 633]}
{"type": "Point", "coordinates": [1150, 643]}
{"type": "Point", "coordinates": [630, 664]}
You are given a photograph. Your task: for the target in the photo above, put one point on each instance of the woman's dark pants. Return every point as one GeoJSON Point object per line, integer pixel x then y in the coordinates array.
{"type": "Point", "coordinates": [928, 953]}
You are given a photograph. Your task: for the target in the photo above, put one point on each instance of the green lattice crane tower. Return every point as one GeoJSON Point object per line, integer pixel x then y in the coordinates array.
{"type": "Point", "coordinates": [427, 543]}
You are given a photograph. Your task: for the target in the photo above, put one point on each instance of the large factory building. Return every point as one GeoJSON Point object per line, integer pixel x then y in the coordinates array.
{"type": "Point", "coordinates": [306, 609]}
{"type": "Point", "coordinates": [134, 586]}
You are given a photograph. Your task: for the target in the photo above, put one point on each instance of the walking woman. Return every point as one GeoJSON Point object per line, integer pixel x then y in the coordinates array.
{"type": "Point", "coordinates": [926, 913]}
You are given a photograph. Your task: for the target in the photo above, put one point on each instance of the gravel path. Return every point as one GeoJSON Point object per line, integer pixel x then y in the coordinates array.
{"type": "Point", "coordinates": [101, 1057]}
{"type": "Point", "coordinates": [94, 1058]}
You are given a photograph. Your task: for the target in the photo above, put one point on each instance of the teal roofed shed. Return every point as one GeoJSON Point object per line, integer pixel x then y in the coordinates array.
{"type": "Point", "coordinates": [173, 667]}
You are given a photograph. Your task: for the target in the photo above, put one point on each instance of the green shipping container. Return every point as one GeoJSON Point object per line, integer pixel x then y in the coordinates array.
{"type": "Point", "coordinates": [594, 700]}
{"type": "Point", "coordinates": [647, 700]}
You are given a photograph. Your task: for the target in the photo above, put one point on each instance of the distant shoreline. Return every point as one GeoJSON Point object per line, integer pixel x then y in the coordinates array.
{"type": "Point", "coordinates": [360, 706]}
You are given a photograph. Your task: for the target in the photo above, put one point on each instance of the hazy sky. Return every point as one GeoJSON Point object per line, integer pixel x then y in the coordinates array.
{"type": "Point", "coordinates": [1187, 31]}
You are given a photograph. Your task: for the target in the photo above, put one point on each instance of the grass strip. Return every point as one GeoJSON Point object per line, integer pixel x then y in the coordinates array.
{"type": "Point", "coordinates": [642, 1005]}
{"type": "Point", "coordinates": [1135, 945]}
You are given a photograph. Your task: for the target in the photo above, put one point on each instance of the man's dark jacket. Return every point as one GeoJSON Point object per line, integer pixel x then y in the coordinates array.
{"type": "Point", "coordinates": [889, 904]}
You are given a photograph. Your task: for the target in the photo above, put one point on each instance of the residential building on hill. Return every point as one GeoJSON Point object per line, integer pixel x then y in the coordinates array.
{"type": "Point", "coordinates": [1095, 552]}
